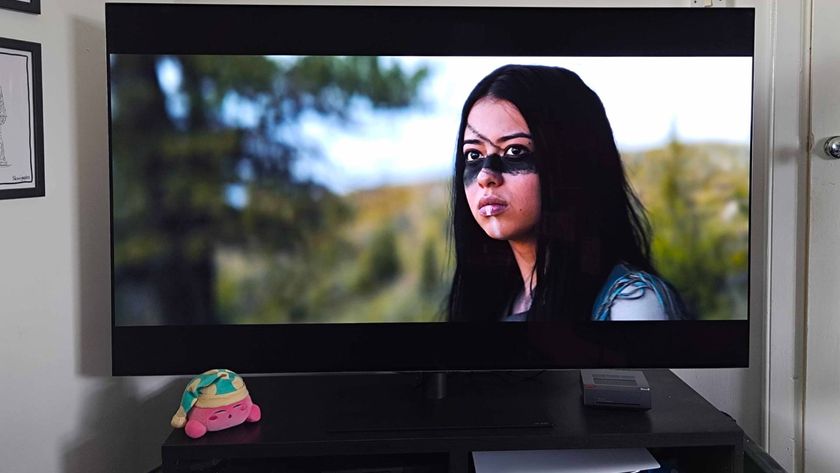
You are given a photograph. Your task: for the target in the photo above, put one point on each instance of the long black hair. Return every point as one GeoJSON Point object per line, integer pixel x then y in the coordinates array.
{"type": "Point", "coordinates": [590, 221]}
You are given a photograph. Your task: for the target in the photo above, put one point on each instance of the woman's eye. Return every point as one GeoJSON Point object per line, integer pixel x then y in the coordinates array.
{"type": "Point", "coordinates": [472, 155]}
{"type": "Point", "coordinates": [516, 150]}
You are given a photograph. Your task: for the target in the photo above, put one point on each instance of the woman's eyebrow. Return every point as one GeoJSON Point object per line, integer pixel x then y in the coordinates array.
{"type": "Point", "coordinates": [472, 142]}
{"type": "Point", "coordinates": [515, 135]}
{"type": "Point", "coordinates": [502, 139]}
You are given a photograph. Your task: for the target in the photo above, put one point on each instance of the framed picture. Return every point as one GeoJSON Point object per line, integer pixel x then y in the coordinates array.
{"type": "Point", "coordinates": [28, 6]}
{"type": "Point", "coordinates": [21, 120]}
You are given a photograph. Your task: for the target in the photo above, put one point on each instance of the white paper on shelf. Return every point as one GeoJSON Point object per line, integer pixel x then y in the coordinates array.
{"type": "Point", "coordinates": [610, 460]}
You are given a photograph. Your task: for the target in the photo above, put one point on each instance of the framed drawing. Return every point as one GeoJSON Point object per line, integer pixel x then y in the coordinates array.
{"type": "Point", "coordinates": [21, 120]}
{"type": "Point", "coordinates": [28, 6]}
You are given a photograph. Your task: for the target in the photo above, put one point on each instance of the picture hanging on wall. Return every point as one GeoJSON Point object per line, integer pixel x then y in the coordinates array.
{"type": "Point", "coordinates": [28, 6]}
{"type": "Point", "coordinates": [21, 120]}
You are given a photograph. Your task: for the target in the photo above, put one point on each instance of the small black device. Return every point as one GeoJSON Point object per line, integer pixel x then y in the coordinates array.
{"type": "Point", "coordinates": [614, 388]}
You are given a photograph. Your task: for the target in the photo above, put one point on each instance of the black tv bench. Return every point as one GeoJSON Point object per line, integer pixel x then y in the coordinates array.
{"type": "Point", "coordinates": [383, 423]}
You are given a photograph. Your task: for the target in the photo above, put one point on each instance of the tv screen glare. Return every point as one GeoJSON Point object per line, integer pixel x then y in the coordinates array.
{"type": "Point", "coordinates": [286, 179]}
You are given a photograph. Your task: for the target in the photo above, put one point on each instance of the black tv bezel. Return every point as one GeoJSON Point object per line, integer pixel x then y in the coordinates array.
{"type": "Point", "coordinates": [426, 31]}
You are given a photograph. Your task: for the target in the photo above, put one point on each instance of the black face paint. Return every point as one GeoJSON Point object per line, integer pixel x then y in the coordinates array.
{"type": "Point", "coordinates": [522, 164]}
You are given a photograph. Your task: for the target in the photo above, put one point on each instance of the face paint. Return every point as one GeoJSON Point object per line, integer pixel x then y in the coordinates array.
{"type": "Point", "coordinates": [522, 164]}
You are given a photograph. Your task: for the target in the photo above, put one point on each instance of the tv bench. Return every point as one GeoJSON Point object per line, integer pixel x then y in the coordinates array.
{"type": "Point", "coordinates": [383, 423]}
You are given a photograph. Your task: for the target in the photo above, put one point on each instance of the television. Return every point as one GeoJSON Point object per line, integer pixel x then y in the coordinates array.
{"type": "Point", "coordinates": [285, 187]}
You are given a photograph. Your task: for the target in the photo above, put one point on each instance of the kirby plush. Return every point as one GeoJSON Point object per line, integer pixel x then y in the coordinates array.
{"type": "Point", "coordinates": [214, 400]}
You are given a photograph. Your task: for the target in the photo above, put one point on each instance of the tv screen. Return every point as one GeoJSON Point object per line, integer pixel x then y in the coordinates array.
{"type": "Point", "coordinates": [388, 188]}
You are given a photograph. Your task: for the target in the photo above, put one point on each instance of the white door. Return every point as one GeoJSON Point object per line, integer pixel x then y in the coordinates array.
{"type": "Point", "coordinates": [822, 358]}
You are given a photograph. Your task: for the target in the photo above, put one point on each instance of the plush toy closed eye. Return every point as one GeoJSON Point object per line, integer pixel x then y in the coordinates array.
{"type": "Point", "coordinates": [214, 400]}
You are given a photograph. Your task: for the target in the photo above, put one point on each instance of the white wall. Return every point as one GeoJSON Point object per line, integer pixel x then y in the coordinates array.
{"type": "Point", "coordinates": [60, 410]}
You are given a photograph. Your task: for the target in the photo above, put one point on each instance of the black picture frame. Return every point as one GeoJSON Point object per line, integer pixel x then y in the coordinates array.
{"type": "Point", "coordinates": [21, 121]}
{"type": "Point", "coordinates": [30, 6]}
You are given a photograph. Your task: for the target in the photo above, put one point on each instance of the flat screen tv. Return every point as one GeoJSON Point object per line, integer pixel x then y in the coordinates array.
{"type": "Point", "coordinates": [365, 189]}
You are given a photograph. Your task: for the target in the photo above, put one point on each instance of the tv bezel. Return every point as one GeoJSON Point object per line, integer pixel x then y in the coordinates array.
{"type": "Point", "coordinates": [425, 31]}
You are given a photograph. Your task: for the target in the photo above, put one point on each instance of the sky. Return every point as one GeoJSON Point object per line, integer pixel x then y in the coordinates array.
{"type": "Point", "coordinates": [700, 99]}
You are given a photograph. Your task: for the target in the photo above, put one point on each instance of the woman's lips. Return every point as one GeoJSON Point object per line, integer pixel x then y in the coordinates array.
{"type": "Point", "coordinates": [489, 206]}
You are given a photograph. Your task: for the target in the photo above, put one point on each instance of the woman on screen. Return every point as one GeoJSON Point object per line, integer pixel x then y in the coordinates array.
{"type": "Point", "coordinates": [545, 224]}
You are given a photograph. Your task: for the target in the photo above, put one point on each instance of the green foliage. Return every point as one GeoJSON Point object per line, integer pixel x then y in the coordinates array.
{"type": "Point", "coordinates": [333, 83]}
{"type": "Point", "coordinates": [380, 262]}
{"type": "Point", "coordinates": [696, 197]}
{"type": "Point", "coordinates": [367, 269]}
{"type": "Point", "coordinates": [429, 272]}
{"type": "Point", "coordinates": [179, 153]}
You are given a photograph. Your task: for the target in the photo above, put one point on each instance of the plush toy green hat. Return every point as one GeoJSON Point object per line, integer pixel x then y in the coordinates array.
{"type": "Point", "coordinates": [213, 388]}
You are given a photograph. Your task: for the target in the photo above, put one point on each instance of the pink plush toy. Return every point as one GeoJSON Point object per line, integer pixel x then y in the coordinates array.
{"type": "Point", "coordinates": [214, 400]}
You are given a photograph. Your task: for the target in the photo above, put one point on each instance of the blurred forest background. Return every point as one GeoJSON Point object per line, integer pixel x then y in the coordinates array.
{"type": "Point", "coordinates": [213, 225]}
{"type": "Point", "coordinates": [697, 201]}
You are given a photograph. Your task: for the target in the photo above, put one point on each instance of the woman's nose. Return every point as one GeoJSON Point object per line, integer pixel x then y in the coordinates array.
{"type": "Point", "coordinates": [489, 178]}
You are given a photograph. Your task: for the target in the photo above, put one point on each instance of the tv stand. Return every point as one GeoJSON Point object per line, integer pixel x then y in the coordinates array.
{"type": "Point", "coordinates": [385, 423]}
{"type": "Point", "coordinates": [434, 385]}
{"type": "Point", "coordinates": [474, 401]}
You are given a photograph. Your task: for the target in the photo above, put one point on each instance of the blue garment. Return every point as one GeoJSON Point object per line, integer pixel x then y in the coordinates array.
{"type": "Point", "coordinates": [517, 317]}
{"type": "Point", "coordinates": [625, 283]}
